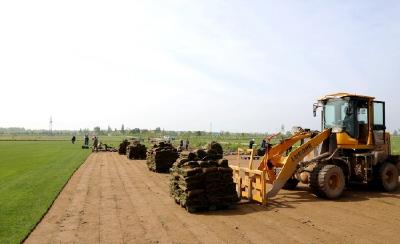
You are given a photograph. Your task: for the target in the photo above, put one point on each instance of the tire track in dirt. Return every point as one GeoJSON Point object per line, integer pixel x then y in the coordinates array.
{"type": "Point", "coordinates": [219, 224]}
{"type": "Point", "coordinates": [333, 216]}
{"type": "Point", "coordinates": [215, 227]}
{"type": "Point", "coordinates": [244, 224]}
{"type": "Point", "coordinates": [161, 195]}
{"type": "Point", "coordinates": [131, 226]}
{"type": "Point", "coordinates": [89, 228]}
{"type": "Point", "coordinates": [159, 213]}
{"type": "Point", "coordinates": [110, 225]}
{"type": "Point", "coordinates": [153, 229]}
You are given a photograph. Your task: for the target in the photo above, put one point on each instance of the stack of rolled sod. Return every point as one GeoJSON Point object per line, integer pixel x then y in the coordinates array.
{"type": "Point", "coordinates": [161, 157]}
{"type": "Point", "coordinates": [199, 182]}
{"type": "Point", "coordinates": [218, 182]}
{"type": "Point", "coordinates": [122, 147]}
{"type": "Point", "coordinates": [215, 151]}
{"type": "Point", "coordinates": [136, 151]}
{"type": "Point", "coordinates": [187, 184]}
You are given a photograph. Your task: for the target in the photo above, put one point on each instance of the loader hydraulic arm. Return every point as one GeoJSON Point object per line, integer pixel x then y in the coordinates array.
{"type": "Point", "coordinates": [289, 163]}
{"type": "Point", "coordinates": [274, 154]}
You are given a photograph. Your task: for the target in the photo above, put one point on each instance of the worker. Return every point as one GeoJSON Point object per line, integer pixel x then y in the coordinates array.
{"type": "Point", "coordinates": [181, 144]}
{"type": "Point", "coordinates": [95, 143]}
{"type": "Point", "coordinates": [264, 144]}
{"type": "Point", "coordinates": [187, 143]}
{"type": "Point", "coordinates": [73, 139]}
{"type": "Point", "coordinates": [86, 139]}
{"type": "Point", "coordinates": [251, 143]}
{"type": "Point", "coordinates": [349, 121]}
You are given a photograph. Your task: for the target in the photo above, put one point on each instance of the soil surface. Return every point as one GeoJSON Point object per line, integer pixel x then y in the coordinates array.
{"type": "Point", "coordinates": [112, 199]}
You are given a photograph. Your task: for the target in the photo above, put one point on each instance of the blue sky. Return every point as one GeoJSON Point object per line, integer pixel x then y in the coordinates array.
{"type": "Point", "coordinates": [181, 65]}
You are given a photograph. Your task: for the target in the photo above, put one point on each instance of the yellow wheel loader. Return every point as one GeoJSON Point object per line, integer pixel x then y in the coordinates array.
{"type": "Point", "coordinates": [352, 147]}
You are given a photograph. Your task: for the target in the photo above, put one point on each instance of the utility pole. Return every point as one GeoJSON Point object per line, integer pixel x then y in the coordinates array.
{"type": "Point", "coordinates": [51, 125]}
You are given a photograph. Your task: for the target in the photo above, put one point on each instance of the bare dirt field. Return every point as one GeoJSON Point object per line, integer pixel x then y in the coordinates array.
{"type": "Point", "coordinates": [111, 199]}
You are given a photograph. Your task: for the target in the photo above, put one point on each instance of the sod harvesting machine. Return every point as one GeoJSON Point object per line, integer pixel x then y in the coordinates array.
{"type": "Point", "coordinates": [352, 147]}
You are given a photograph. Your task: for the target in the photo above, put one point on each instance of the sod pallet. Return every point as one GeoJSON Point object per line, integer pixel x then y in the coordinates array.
{"type": "Point", "coordinates": [200, 183]}
{"type": "Point", "coordinates": [136, 151]}
{"type": "Point", "coordinates": [161, 157]}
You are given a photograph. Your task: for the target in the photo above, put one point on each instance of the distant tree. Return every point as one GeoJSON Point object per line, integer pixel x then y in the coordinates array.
{"type": "Point", "coordinates": [158, 129]}
{"type": "Point", "coordinates": [198, 133]}
{"type": "Point", "coordinates": [395, 133]}
{"type": "Point", "coordinates": [122, 129]}
{"type": "Point", "coordinates": [96, 130]}
{"type": "Point", "coordinates": [109, 130]}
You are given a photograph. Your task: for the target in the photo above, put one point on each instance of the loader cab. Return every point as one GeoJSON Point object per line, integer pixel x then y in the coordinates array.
{"type": "Point", "coordinates": [356, 120]}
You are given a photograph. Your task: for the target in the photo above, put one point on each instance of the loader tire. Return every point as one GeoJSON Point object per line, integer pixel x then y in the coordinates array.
{"type": "Point", "coordinates": [291, 184]}
{"type": "Point", "coordinates": [327, 181]}
{"type": "Point", "coordinates": [388, 177]}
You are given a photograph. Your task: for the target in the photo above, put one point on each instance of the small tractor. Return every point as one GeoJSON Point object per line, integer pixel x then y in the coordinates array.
{"type": "Point", "coordinates": [353, 147]}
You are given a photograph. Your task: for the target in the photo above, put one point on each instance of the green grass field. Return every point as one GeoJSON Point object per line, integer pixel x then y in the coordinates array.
{"type": "Point", "coordinates": [396, 145]}
{"type": "Point", "coordinates": [31, 176]}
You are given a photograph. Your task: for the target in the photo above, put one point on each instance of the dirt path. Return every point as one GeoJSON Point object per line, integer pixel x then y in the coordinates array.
{"type": "Point", "coordinates": [111, 199]}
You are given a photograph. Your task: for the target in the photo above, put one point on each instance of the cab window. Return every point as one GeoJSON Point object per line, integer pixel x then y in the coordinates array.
{"type": "Point", "coordinates": [379, 115]}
